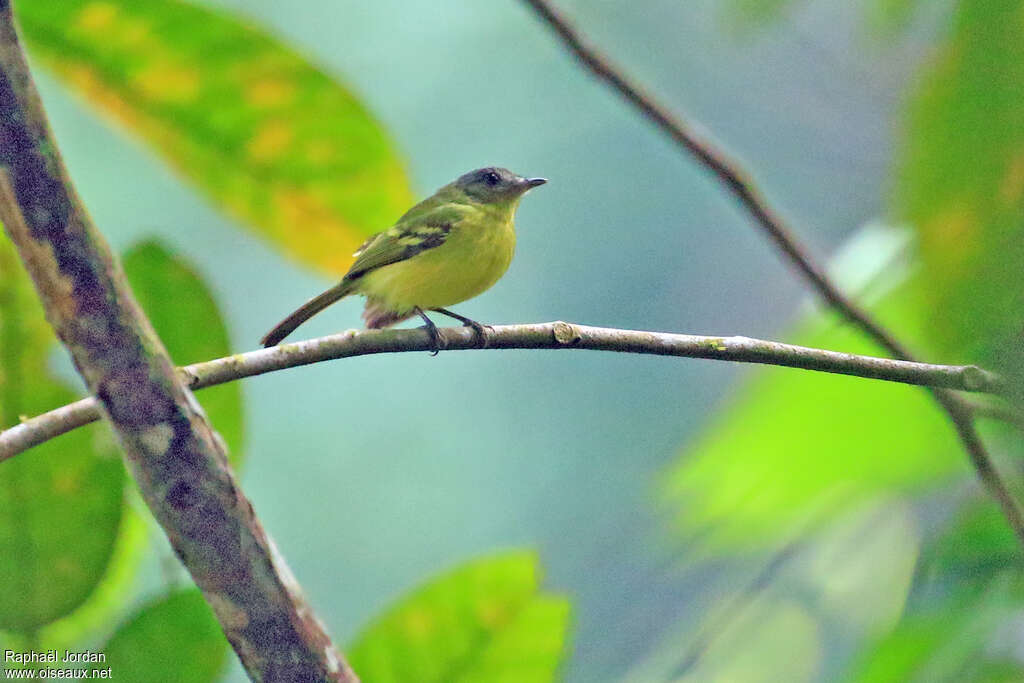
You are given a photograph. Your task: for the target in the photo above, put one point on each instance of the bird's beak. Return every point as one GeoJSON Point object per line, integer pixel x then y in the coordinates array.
{"type": "Point", "coordinates": [535, 182]}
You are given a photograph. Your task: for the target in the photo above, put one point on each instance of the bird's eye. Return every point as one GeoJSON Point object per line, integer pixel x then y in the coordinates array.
{"type": "Point", "coordinates": [491, 178]}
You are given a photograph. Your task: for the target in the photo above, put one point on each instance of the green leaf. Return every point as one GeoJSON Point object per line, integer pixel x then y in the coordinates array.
{"type": "Point", "coordinates": [174, 640]}
{"type": "Point", "coordinates": [112, 595]}
{"type": "Point", "coordinates": [187, 319]}
{"type": "Point", "coordinates": [484, 621]}
{"type": "Point", "coordinates": [961, 184]}
{"type": "Point", "coordinates": [796, 447]}
{"type": "Point", "coordinates": [60, 502]}
{"type": "Point", "coordinates": [968, 591]}
{"type": "Point", "coordinates": [978, 545]}
{"type": "Point", "coordinates": [945, 642]}
{"type": "Point", "coordinates": [262, 132]}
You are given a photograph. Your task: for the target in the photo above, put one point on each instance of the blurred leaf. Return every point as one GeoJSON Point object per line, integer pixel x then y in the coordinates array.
{"type": "Point", "coordinates": [890, 16]}
{"type": "Point", "coordinates": [961, 184]}
{"type": "Point", "coordinates": [1006, 671]}
{"type": "Point", "coordinates": [484, 621]}
{"type": "Point", "coordinates": [174, 640]}
{"type": "Point", "coordinates": [852, 577]}
{"type": "Point", "coordinates": [186, 317]}
{"type": "Point", "coordinates": [772, 640]}
{"type": "Point", "coordinates": [112, 595]}
{"type": "Point", "coordinates": [260, 130]}
{"type": "Point", "coordinates": [943, 643]}
{"type": "Point", "coordinates": [751, 13]}
{"type": "Point", "coordinates": [60, 502]}
{"type": "Point", "coordinates": [960, 624]}
{"type": "Point", "coordinates": [978, 545]}
{"type": "Point", "coordinates": [860, 569]}
{"type": "Point", "coordinates": [797, 447]}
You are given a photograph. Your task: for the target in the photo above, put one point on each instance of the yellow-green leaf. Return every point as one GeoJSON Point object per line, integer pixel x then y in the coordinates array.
{"type": "Point", "coordinates": [950, 641]}
{"type": "Point", "coordinates": [280, 145]}
{"type": "Point", "coordinates": [485, 621]}
{"type": "Point", "coordinates": [60, 502]}
{"type": "Point", "coordinates": [189, 323]}
{"type": "Point", "coordinates": [115, 591]}
{"type": "Point", "coordinates": [961, 185]}
{"type": "Point", "coordinates": [796, 446]}
{"type": "Point", "coordinates": [174, 640]}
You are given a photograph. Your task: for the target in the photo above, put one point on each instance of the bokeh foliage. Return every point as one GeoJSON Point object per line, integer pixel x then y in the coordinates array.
{"type": "Point", "coordinates": [262, 132]}
{"type": "Point", "coordinates": [60, 503]}
{"type": "Point", "coordinates": [792, 453]}
{"type": "Point", "coordinates": [174, 639]}
{"type": "Point", "coordinates": [961, 185]}
{"type": "Point", "coordinates": [886, 15]}
{"type": "Point", "coordinates": [485, 621]}
{"type": "Point", "coordinates": [795, 448]}
{"type": "Point", "coordinates": [300, 161]}
{"type": "Point", "coordinates": [61, 522]}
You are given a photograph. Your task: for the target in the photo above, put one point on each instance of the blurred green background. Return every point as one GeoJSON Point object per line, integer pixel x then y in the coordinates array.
{"type": "Point", "coordinates": [705, 521]}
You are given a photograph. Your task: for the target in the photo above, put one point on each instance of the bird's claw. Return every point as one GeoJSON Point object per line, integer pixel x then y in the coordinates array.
{"type": "Point", "coordinates": [481, 332]}
{"type": "Point", "coordinates": [435, 339]}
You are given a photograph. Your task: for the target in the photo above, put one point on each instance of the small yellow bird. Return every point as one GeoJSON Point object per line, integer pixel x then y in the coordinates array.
{"type": "Point", "coordinates": [450, 247]}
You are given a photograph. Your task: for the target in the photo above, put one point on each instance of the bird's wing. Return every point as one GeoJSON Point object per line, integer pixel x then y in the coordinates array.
{"type": "Point", "coordinates": [404, 240]}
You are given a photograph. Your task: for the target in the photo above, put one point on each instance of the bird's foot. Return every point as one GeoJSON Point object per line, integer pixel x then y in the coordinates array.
{"type": "Point", "coordinates": [435, 335]}
{"type": "Point", "coordinates": [479, 329]}
{"type": "Point", "coordinates": [435, 339]}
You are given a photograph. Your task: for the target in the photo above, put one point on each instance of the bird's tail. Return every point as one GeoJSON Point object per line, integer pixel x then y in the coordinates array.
{"type": "Point", "coordinates": [307, 311]}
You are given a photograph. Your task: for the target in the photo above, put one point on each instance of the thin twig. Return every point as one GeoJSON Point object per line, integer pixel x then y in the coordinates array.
{"type": "Point", "coordinates": [743, 188]}
{"type": "Point", "coordinates": [1002, 412]}
{"type": "Point", "coordinates": [556, 335]}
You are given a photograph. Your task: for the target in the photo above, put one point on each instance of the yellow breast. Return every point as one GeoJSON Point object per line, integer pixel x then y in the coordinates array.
{"type": "Point", "coordinates": [475, 255]}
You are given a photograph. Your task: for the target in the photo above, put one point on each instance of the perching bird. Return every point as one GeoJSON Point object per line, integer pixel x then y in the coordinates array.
{"type": "Point", "coordinates": [450, 247]}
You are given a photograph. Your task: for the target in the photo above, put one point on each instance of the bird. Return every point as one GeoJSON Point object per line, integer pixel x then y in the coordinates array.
{"type": "Point", "coordinates": [451, 247]}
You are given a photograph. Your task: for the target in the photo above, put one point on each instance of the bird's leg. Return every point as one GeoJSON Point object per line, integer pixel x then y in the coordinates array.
{"type": "Point", "coordinates": [431, 328]}
{"type": "Point", "coordinates": [481, 330]}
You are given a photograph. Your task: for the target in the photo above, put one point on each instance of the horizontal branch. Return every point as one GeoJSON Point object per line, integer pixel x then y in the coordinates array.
{"type": "Point", "coordinates": [557, 335]}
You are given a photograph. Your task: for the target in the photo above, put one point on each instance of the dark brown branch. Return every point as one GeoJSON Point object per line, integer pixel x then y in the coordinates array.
{"type": "Point", "coordinates": [742, 187]}
{"type": "Point", "coordinates": [168, 444]}
{"type": "Point", "coordinates": [557, 335]}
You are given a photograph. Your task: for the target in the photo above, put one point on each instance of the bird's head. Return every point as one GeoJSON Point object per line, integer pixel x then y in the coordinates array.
{"type": "Point", "coordinates": [493, 185]}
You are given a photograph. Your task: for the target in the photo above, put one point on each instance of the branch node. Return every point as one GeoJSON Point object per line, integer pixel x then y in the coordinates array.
{"type": "Point", "coordinates": [974, 378]}
{"type": "Point", "coordinates": [566, 334]}
{"type": "Point", "coordinates": [189, 378]}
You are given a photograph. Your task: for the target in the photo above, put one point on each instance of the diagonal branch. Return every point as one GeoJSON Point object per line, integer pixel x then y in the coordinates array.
{"type": "Point", "coordinates": [556, 335]}
{"type": "Point", "coordinates": [169, 446]}
{"type": "Point", "coordinates": [1006, 413]}
{"type": "Point", "coordinates": [726, 169]}
{"type": "Point", "coordinates": [743, 188]}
